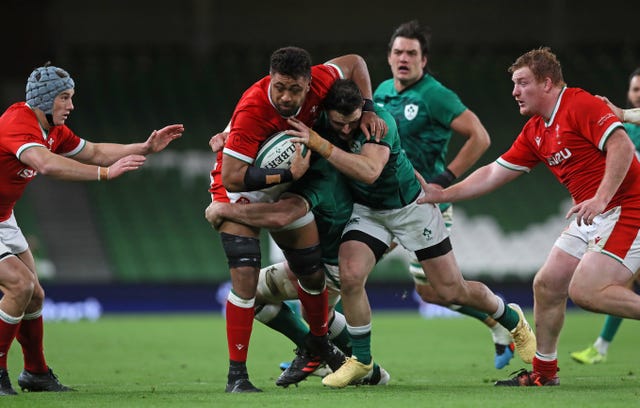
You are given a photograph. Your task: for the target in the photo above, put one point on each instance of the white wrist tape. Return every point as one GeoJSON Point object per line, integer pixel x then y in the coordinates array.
{"type": "Point", "coordinates": [631, 116]}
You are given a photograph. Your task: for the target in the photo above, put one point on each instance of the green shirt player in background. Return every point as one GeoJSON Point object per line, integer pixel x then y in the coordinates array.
{"type": "Point", "coordinates": [385, 190]}
{"type": "Point", "coordinates": [597, 353]}
{"type": "Point", "coordinates": [428, 114]}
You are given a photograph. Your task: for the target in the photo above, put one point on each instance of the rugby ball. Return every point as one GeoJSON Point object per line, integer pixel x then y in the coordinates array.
{"type": "Point", "coordinates": [277, 152]}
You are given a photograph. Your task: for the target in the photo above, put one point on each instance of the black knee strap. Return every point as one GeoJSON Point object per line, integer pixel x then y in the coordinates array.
{"type": "Point", "coordinates": [304, 262]}
{"type": "Point", "coordinates": [241, 251]}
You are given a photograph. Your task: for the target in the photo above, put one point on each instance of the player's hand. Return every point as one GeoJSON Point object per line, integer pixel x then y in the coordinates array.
{"type": "Point", "coordinates": [299, 163]}
{"type": "Point", "coordinates": [372, 125]}
{"type": "Point", "coordinates": [126, 164]}
{"type": "Point", "coordinates": [618, 111]}
{"type": "Point", "coordinates": [311, 138]}
{"type": "Point", "coordinates": [432, 192]}
{"type": "Point", "coordinates": [217, 141]}
{"type": "Point", "coordinates": [159, 139]}
{"type": "Point", "coordinates": [212, 214]}
{"type": "Point", "coordinates": [587, 210]}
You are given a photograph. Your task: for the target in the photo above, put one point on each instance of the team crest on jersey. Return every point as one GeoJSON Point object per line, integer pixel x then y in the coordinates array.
{"type": "Point", "coordinates": [410, 111]}
{"type": "Point", "coordinates": [355, 146]}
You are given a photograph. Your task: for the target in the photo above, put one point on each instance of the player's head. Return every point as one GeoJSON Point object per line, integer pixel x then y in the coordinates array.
{"type": "Point", "coordinates": [290, 71]}
{"type": "Point", "coordinates": [343, 107]}
{"type": "Point", "coordinates": [543, 65]}
{"type": "Point", "coordinates": [50, 89]}
{"type": "Point", "coordinates": [408, 51]}
{"type": "Point", "coordinates": [633, 94]}
{"type": "Point", "coordinates": [537, 79]}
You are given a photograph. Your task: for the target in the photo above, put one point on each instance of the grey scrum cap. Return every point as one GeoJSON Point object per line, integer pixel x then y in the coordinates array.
{"type": "Point", "coordinates": [44, 84]}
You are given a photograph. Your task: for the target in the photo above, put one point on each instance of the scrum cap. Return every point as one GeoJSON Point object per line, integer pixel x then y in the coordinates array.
{"type": "Point", "coordinates": [44, 84]}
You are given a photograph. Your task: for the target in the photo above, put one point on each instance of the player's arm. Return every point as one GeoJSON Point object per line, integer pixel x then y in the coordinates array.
{"type": "Point", "coordinates": [626, 115]}
{"type": "Point", "coordinates": [480, 182]}
{"type": "Point", "coordinates": [283, 212]}
{"type": "Point", "coordinates": [105, 154]}
{"type": "Point", "coordinates": [238, 175]}
{"type": "Point", "coordinates": [53, 165]}
{"type": "Point", "coordinates": [468, 125]}
{"type": "Point", "coordinates": [355, 68]}
{"type": "Point", "coordinates": [365, 166]}
{"type": "Point", "coordinates": [631, 115]}
{"type": "Point", "coordinates": [620, 152]}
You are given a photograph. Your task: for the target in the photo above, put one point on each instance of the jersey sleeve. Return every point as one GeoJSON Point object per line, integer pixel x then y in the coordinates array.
{"type": "Point", "coordinates": [593, 119]}
{"type": "Point", "coordinates": [520, 156]}
{"type": "Point", "coordinates": [445, 105]}
{"type": "Point", "coordinates": [69, 144]}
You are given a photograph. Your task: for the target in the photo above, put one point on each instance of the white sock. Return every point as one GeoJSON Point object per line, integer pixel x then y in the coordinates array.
{"type": "Point", "coordinates": [601, 345]}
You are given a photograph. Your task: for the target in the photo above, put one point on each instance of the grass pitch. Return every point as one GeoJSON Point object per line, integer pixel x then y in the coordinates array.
{"type": "Point", "coordinates": [181, 361]}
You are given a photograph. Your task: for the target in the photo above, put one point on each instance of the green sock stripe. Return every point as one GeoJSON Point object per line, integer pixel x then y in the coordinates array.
{"type": "Point", "coordinates": [290, 324]}
{"type": "Point", "coordinates": [469, 311]}
{"type": "Point", "coordinates": [361, 345]}
{"type": "Point", "coordinates": [509, 319]}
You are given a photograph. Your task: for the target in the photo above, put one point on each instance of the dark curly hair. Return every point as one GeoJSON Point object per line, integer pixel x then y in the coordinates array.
{"type": "Point", "coordinates": [293, 62]}
{"type": "Point", "coordinates": [344, 97]}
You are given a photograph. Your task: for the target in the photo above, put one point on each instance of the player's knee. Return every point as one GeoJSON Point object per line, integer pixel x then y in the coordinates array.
{"type": "Point", "coordinates": [583, 297]}
{"type": "Point", "coordinates": [241, 251]}
{"type": "Point", "coordinates": [19, 282]}
{"type": "Point", "coordinates": [305, 262]}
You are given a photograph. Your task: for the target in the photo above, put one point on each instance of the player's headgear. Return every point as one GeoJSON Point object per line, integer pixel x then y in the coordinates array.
{"type": "Point", "coordinates": [44, 84]}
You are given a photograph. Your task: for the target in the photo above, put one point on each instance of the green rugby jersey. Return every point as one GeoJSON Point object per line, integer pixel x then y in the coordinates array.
{"type": "Point", "coordinates": [423, 113]}
{"type": "Point", "coordinates": [328, 195]}
{"type": "Point", "coordinates": [397, 186]}
{"type": "Point", "coordinates": [633, 131]}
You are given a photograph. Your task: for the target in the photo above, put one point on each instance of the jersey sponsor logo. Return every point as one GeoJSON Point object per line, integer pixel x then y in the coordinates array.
{"type": "Point", "coordinates": [27, 173]}
{"type": "Point", "coordinates": [558, 157]}
{"type": "Point", "coordinates": [410, 111]}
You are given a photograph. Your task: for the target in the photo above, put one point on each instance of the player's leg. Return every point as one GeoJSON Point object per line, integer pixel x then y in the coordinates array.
{"type": "Point", "coordinates": [276, 285]}
{"type": "Point", "coordinates": [597, 352]}
{"type": "Point", "coordinates": [421, 228]}
{"type": "Point", "coordinates": [617, 253]}
{"type": "Point", "coordinates": [358, 255]}
{"type": "Point", "coordinates": [242, 248]}
{"type": "Point", "coordinates": [550, 290]}
{"type": "Point", "coordinates": [503, 343]}
{"type": "Point", "coordinates": [16, 283]}
{"type": "Point", "coordinates": [37, 375]}
{"type": "Point", "coordinates": [300, 245]}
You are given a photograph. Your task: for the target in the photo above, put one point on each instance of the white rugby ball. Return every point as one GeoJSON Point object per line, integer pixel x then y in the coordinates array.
{"type": "Point", "coordinates": [277, 152]}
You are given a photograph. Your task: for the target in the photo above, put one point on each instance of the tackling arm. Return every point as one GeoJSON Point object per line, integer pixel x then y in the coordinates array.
{"type": "Point", "coordinates": [276, 215]}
